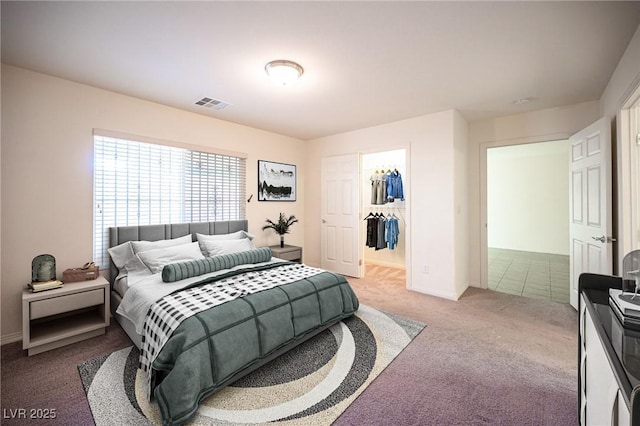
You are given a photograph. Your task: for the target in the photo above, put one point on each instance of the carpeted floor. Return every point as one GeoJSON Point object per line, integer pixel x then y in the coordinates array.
{"type": "Point", "coordinates": [489, 358]}
{"type": "Point", "coordinates": [310, 385]}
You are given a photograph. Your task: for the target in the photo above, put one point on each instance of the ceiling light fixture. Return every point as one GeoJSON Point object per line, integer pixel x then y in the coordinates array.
{"type": "Point", "coordinates": [283, 72]}
{"type": "Point", "coordinates": [522, 101]}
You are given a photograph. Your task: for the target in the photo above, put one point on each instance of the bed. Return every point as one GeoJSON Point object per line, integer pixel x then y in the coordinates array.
{"type": "Point", "coordinates": [206, 307]}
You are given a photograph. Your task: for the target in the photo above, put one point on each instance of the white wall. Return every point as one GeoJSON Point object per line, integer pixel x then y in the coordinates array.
{"type": "Point", "coordinates": [624, 80]}
{"type": "Point", "coordinates": [538, 126]}
{"type": "Point", "coordinates": [528, 197]}
{"type": "Point", "coordinates": [623, 83]}
{"type": "Point", "coordinates": [47, 170]}
{"type": "Point", "coordinates": [433, 172]}
{"type": "Point", "coordinates": [461, 202]}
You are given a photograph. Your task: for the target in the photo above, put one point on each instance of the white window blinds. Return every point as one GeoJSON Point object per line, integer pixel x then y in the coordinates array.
{"type": "Point", "coordinates": [138, 183]}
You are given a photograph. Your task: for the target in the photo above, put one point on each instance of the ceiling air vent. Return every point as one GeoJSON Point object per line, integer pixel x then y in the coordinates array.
{"type": "Point", "coordinates": [213, 104]}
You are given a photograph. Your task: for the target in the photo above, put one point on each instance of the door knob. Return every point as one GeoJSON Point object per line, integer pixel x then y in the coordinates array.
{"type": "Point", "coordinates": [324, 221]}
{"type": "Point", "coordinates": [604, 239]}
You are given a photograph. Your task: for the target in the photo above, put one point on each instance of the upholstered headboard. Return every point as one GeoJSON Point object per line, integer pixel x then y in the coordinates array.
{"type": "Point", "coordinates": [122, 234]}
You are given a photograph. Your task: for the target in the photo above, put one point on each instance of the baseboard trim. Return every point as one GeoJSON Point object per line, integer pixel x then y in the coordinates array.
{"type": "Point", "coordinates": [441, 294]}
{"type": "Point", "coordinates": [11, 338]}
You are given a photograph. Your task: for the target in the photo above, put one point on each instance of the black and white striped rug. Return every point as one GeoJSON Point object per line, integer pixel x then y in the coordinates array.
{"type": "Point", "coordinates": [310, 385]}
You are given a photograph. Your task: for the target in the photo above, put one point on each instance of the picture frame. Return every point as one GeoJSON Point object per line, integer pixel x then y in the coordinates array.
{"type": "Point", "coordinates": [276, 181]}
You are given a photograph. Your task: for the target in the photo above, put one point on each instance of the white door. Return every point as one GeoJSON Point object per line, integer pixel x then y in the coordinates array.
{"type": "Point", "coordinates": [339, 216]}
{"type": "Point", "coordinates": [590, 239]}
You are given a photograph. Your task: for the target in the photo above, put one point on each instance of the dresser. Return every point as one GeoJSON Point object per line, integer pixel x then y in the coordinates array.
{"type": "Point", "coordinates": [608, 357]}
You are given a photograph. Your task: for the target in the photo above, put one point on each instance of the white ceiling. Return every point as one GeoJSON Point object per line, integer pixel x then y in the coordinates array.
{"type": "Point", "coordinates": [366, 63]}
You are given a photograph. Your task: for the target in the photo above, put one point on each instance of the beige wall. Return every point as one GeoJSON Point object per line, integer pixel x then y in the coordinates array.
{"type": "Point", "coordinates": [539, 126]}
{"type": "Point", "coordinates": [623, 83]}
{"type": "Point", "coordinates": [461, 203]}
{"type": "Point", "coordinates": [432, 142]}
{"type": "Point", "coordinates": [624, 80]}
{"type": "Point", "coordinates": [47, 173]}
{"type": "Point", "coordinates": [528, 206]}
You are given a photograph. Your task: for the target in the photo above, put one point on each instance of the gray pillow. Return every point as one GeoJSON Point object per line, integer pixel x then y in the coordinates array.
{"type": "Point", "coordinates": [181, 270]}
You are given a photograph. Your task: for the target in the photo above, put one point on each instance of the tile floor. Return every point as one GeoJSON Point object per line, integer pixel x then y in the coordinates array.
{"type": "Point", "coordinates": [536, 275]}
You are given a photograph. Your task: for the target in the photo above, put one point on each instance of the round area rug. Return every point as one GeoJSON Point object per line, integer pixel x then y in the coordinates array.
{"type": "Point", "coordinates": [311, 384]}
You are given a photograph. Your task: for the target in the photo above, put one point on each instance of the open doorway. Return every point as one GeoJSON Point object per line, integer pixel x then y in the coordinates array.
{"type": "Point", "coordinates": [383, 216]}
{"type": "Point", "coordinates": [527, 220]}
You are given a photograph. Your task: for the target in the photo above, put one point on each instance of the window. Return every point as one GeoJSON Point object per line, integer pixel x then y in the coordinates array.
{"type": "Point", "coordinates": [137, 183]}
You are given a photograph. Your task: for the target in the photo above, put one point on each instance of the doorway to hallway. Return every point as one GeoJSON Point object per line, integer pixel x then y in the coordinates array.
{"type": "Point", "coordinates": [528, 220]}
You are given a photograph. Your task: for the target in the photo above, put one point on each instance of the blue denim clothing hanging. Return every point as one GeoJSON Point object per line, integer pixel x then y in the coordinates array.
{"type": "Point", "coordinates": [392, 232]}
{"type": "Point", "coordinates": [394, 186]}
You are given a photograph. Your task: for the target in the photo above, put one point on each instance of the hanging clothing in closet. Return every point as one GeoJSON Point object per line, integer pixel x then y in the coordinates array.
{"type": "Point", "coordinates": [382, 232]}
{"type": "Point", "coordinates": [381, 242]}
{"type": "Point", "coordinates": [372, 230]}
{"type": "Point", "coordinates": [376, 227]}
{"type": "Point", "coordinates": [394, 186]}
{"type": "Point", "coordinates": [391, 232]}
{"type": "Point", "coordinates": [378, 188]}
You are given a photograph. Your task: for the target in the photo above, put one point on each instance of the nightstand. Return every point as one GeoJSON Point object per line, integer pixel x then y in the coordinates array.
{"type": "Point", "coordinates": [66, 315]}
{"type": "Point", "coordinates": [287, 252]}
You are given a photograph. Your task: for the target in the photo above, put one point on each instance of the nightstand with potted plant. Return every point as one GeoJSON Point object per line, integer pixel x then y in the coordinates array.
{"type": "Point", "coordinates": [281, 227]}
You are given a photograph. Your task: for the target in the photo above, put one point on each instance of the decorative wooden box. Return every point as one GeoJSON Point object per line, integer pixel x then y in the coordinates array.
{"type": "Point", "coordinates": [73, 275]}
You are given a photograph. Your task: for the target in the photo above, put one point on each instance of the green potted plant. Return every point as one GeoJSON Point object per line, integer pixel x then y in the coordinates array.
{"type": "Point", "coordinates": [281, 227]}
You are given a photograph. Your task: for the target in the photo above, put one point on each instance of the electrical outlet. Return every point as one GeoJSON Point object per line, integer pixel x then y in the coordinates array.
{"type": "Point", "coordinates": [425, 269]}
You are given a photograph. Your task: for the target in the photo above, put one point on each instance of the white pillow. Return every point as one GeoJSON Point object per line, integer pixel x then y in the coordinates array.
{"type": "Point", "coordinates": [239, 235]}
{"type": "Point", "coordinates": [141, 246]}
{"type": "Point", "coordinates": [155, 260]}
{"type": "Point", "coordinates": [136, 270]}
{"type": "Point", "coordinates": [232, 236]}
{"type": "Point", "coordinates": [216, 247]}
{"type": "Point", "coordinates": [121, 254]}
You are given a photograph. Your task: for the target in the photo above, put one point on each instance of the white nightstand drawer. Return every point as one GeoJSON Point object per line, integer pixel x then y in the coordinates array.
{"type": "Point", "coordinates": [66, 303]}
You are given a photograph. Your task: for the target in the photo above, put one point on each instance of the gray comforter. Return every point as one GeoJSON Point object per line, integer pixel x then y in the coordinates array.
{"type": "Point", "coordinates": [215, 347]}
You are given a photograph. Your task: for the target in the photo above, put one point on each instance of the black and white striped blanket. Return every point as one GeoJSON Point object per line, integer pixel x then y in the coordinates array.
{"type": "Point", "coordinates": [167, 313]}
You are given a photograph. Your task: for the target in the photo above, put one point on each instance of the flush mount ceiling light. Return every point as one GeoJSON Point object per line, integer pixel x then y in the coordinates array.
{"type": "Point", "coordinates": [522, 101]}
{"type": "Point", "coordinates": [283, 72]}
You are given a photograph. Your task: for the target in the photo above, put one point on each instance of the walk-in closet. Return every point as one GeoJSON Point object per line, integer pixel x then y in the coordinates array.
{"type": "Point", "coordinates": [383, 212]}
